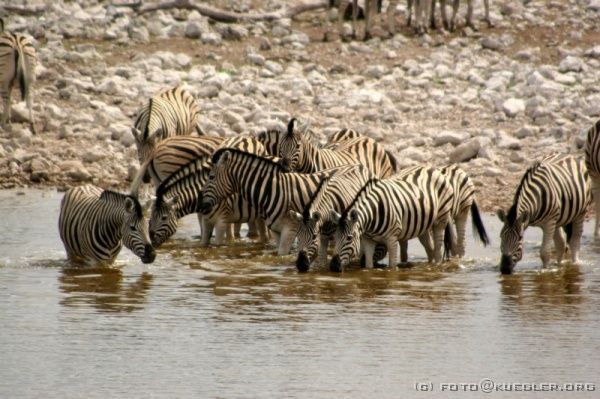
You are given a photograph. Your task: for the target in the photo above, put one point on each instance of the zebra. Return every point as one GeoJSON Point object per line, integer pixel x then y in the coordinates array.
{"type": "Point", "coordinates": [95, 223]}
{"type": "Point", "coordinates": [267, 184]}
{"type": "Point", "coordinates": [315, 228]}
{"type": "Point", "coordinates": [553, 194]}
{"type": "Point", "coordinates": [17, 65]}
{"type": "Point", "coordinates": [391, 210]}
{"type": "Point", "coordinates": [469, 22]}
{"type": "Point", "coordinates": [270, 139]}
{"type": "Point", "coordinates": [180, 195]}
{"type": "Point", "coordinates": [592, 163]}
{"type": "Point", "coordinates": [463, 202]}
{"type": "Point", "coordinates": [304, 156]}
{"type": "Point", "coordinates": [370, 9]}
{"type": "Point", "coordinates": [171, 112]}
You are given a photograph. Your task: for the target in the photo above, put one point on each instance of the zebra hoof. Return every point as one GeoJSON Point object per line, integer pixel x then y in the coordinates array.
{"type": "Point", "coordinates": [335, 265]}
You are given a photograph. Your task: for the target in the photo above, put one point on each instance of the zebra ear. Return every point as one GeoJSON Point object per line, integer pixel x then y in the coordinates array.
{"type": "Point", "coordinates": [129, 205]}
{"type": "Point", "coordinates": [171, 201]}
{"type": "Point", "coordinates": [225, 157]}
{"type": "Point", "coordinates": [136, 133]}
{"type": "Point", "coordinates": [501, 215]}
{"type": "Point", "coordinates": [354, 215]}
{"type": "Point", "coordinates": [335, 217]}
{"type": "Point", "coordinates": [291, 125]}
{"type": "Point", "coordinates": [295, 215]}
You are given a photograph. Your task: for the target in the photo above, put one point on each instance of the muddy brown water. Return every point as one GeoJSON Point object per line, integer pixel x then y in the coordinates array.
{"type": "Point", "coordinates": [240, 322]}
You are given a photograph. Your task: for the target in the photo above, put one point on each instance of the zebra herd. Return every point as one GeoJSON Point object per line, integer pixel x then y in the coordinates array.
{"type": "Point", "coordinates": [347, 194]}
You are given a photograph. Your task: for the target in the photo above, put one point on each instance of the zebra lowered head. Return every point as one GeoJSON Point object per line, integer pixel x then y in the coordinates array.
{"type": "Point", "coordinates": [347, 239]}
{"type": "Point", "coordinates": [511, 236]}
{"type": "Point", "coordinates": [135, 231]}
{"type": "Point", "coordinates": [309, 227]}
{"type": "Point", "coordinates": [163, 223]}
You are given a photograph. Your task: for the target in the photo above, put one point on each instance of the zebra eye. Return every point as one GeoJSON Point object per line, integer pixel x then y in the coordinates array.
{"type": "Point", "coordinates": [350, 236]}
{"type": "Point", "coordinates": [132, 227]}
{"type": "Point", "coordinates": [163, 217]}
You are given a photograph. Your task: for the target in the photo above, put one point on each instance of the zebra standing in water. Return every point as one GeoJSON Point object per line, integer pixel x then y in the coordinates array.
{"type": "Point", "coordinates": [94, 224]}
{"type": "Point", "coordinates": [553, 194]}
{"type": "Point", "coordinates": [267, 184]}
{"type": "Point", "coordinates": [171, 112]}
{"type": "Point", "coordinates": [463, 201]}
{"type": "Point", "coordinates": [304, 156]}
{"type": "Point", "coordinates": [180, 195]}
{"type": "Point", "coordinates": [392, 210]}
{"type": "Point", "coordinates": [592, 162]}
{"type": "Point", "coordinates": [17, 65]}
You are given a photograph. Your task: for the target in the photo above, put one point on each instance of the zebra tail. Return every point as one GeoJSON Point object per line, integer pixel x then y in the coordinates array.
{"type": "Point", "coordinates": [478, 224]}
{"type": "Point", "coordinates": [21, 73]}
{"type": "Point", "coordinates": [447, 241]}
{"type": "Point", "coordinates": [569, 230]}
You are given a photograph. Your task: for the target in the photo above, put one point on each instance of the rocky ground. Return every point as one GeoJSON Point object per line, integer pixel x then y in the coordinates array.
{"type": "Point", "coordinates": [494, 99]}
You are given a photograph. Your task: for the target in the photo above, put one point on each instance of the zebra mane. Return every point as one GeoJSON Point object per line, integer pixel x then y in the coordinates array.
{"type": "Point", "coordinates": [279, 163]}
{"type": "Point", "coordinates": [364, 188]}
{"type": "Point", "coordinates": [113, 196]}
{"type": "Point", "coordinates": [187, 171]}
{"type": "Point", "coordinates": [320, 188]}
{"type": "Point", "coordinates": [511, 217]}
{"type": "Point", "coordinates": [150, 105]}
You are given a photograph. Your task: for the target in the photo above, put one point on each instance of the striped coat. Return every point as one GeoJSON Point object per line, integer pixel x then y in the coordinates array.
{"type": "Point", "coordinates": [171, 112]}
{"type": "Point", "coordinates": [304, 156]}
{"type": "Point", "coordinates": [17, 67]}
{"type": "Point", "coordinates": [554, 195]}
{"type": "Point", "coordinates": [94, 224]}
{"type": "Point", "coordinates": [267, 185]}
{"type": "Point", "coordinates": [592, 163]}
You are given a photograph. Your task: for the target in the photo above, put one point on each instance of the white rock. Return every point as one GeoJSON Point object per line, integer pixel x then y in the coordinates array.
{"type": "Point", "coordinates": [211, 38]}
{"type": "Point", "coordinates": [513, 106]}
{"type": "Point", "coordinates": [93, 155]}
{"type": "Point", "coordinates": [445, 137]}
{"type": "Point", "coordinates": [75, 170]}
{"type": "Point", "coordinates": [594, 5]}
{"type": "Point", "coordinates": [594, 52]}
{"type": "Point", "coordinates": [465, 151]}
{"type": "Point", "coordinates": [571, 64]}
{"type": "Point", "coordinates": [256, 59]}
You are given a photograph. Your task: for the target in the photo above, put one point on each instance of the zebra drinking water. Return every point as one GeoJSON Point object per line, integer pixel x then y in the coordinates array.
{"type": "Point", "coordinates": [94, 224]}
{"type": "Point", "coordinates": [553, 194]}
{"type": "Point", "coordinates": [267, 184]}
{"type": "Point", "coordinates": [171, 112]}
{"type": "Point", "coordinates": [17, 66]}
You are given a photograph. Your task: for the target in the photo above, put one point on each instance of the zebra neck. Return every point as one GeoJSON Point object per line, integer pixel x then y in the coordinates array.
{"type": "Point", "coordinates": [188, 194]}
{"type": "Point", "coordinates": [311, 157]}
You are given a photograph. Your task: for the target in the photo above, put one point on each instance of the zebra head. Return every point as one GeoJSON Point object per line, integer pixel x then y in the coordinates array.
{"type": "Point", "coordinates": [511, 239]}
{"type": "Point", "coordinates": [135, 231]}
{"type": "Point", "coordinates": [219, 185]}
{"type": "Point", "coordinates": [346, 239]}
{"type": "Point", "coordinates": [163, 220]}
{"type": "Point", "coordinates": [145, 144]}
{"type": "Point", "coordinates": [290, 146]}
{"type": "Point", "coordinates": [309, 227]}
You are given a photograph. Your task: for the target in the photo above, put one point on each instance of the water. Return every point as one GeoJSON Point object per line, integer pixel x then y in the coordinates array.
{"type": "Point", "coordinates": [239, 322]}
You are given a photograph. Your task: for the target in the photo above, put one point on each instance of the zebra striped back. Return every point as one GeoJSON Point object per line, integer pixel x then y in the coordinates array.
{"type": "Point", "coordinates": [592, 163]}
{"type": "Point", "coordinates": [553, 193]}
{"type": "Point", "coordinates": [340, 136]}
{"type": "Point", "coordinates": [171, 112]}
{"type": "Point", "coordinates": [270, 140]}
{"type": "Point", "coordinates": [304, 156]}
{"type": "Point", "coordinates": [17, 66]}
{"type": "Point", "coordinates": [94, 224]}
{"type": "Point", "coordinates": [335, 192]}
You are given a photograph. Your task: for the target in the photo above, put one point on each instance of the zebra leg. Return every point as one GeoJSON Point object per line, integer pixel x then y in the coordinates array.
{"type": "Point", "coordinates": [6, 119]}
{"type": "Point", "coordinates": [391, 21]}
{"type": "Point", "coordinates": [575, 240]}
{"type": "Point", "coordinates": [222, 232]}
{"type": "Point", "coordinates": [560, 244]}
{"type": "Point", "coordinates": [461, 231]}
{"type": "Point", "coordinates": [370, 14]}
{"type": "Point", "coordinates": [343, 6]}
{"type": "Point", "coordinates": [445, 21]}
{"type": "Point", "coordinates": [262, 230]}
{"type": "Point", "coordinates": [252, 230]}
{"type": "Point", "coordinates": [354, 18]}
{"type": "Point", "coordinates": [404, 251]}
{"type": "Point", "coordinates": [454, 12]}
{"type": "Point", "coordinates": [596, 197]}
{"type": "Point", "coordinates": [323, 244]}
{"type": "Point", "coordinates": [392, 247]}
{"type": "Point", "coordinates": [432, 15]}
{"type": "Point", "coordinates": [409, 8]}
{"type": "Point", "coordinates": [548, 233]}
{"type": "Point", "coordinates": [286, 239]}
{"type": "Point", "coordinates": [425, 240]}
{"type": "Point", "coordinates": [470, 15]}
{"type": "Point", "coordinates": [30, 109]}
{"type": "Point", "coordinates": [489, 22]}
{"type": "Point", "coordinates": [207, 230]}
{"type": "Point", "coordinates": [438, 242]}
{"type": "Point", "coordinates": [368, 250]}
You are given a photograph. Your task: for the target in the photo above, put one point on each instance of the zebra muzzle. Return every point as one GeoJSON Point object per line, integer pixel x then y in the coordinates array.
{"type": "Point", "coordinates": [335, 265]}
{"type": "Point", "coordinates": [302, 263]}
{"type": "Point", "coordinates": [506, 264]}
{"type": "Point", "coordinates": [149, 254]}
{"type": "Point", "coordinates": [205, 207]}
